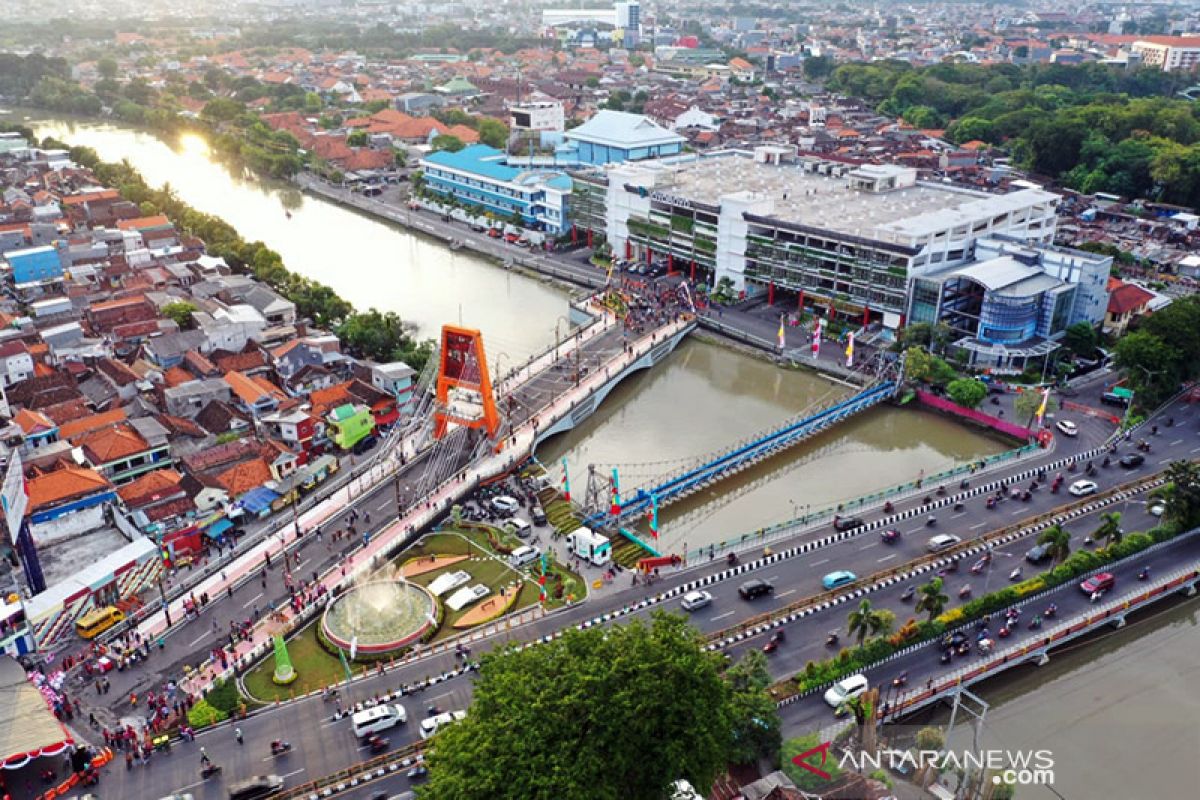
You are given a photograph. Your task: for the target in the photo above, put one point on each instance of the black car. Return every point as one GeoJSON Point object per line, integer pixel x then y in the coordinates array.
{"type": "Point", "coordinates": [1131, 460]}
{"type": "Point", "coordinates": [365, 445]}
{"type": "Point", "coordinates": [755, 588]}
{"type": "Point", "coordinates": [846, 523]}
{"type": "Point", "coordinates": [1038, 554]}
{"type": "Point", "coordinates": [258, 786]}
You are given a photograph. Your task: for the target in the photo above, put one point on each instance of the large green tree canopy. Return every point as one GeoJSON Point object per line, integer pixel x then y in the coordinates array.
{"type": "Point", "coordinates": [614, 713]}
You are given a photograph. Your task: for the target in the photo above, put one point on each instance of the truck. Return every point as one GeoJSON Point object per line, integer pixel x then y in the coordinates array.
{"type": "Point", "coordinates": [590, 546]}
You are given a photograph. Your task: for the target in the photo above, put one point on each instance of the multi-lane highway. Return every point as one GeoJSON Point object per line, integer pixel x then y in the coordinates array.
{"type": "Point", "coordinates": [324, 745]}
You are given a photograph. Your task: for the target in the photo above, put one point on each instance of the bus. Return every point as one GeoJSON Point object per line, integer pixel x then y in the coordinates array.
{"type": "Point", "coordinates": [97, 621]}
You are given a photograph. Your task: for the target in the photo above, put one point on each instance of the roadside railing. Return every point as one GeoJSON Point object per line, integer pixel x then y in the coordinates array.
{"type": "Point", "coordinates": [401, 758]}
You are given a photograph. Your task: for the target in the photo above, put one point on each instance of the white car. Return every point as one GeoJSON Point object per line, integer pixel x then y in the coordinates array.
{"type": "Point", "coordinates": [505, 504]}
{"type": "Point", "coordinates": [1067, 427]}
{"type": "Point", "coordinates": [1083, 488]}
{"type": "Point", "coordinates": [693, 601]}
{"type": "Point", "coordinates": [431, 725]}
{"type": "Point", "coordinates": [846, 689]}
{"type": "Point", "coordinates": [943, 541]}
{"type": "Point", "coordinates": [1156, 508]}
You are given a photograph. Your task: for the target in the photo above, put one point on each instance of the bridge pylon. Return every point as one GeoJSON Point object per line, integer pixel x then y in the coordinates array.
{"type": "Point", "coordinates": [464, 387]}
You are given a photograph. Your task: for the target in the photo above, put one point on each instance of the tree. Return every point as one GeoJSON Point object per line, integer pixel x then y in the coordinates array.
{"type": "Point", "coordinates": [1057, 541]}
{"type": "Point", "coordinates": [868, 621]}
{"type": "Point", "coordinates": [817, 67]}
{"type": "Point", "coordinates": [180, 312]}
{"type": "Point", "coordinates": [1110, 531]}
{"type": "Point", "coordinates": [447, 142]}
{"type": "Point", "coordinates": [967, 392]}
{"type": "Point", "coordinates": [756, 725]}
{"type": "Point", "coordinates": [922, 367]}
{"type": "Point", "coordinates": [1029, 401]}
{"type": "Point", "coordinates": [931, 599]}
{"type": "Point", "coordinates": [107, 68]}
{"type": "Point", "coordinates": [493, 133]}
{"type": "Point", "coordinates": [1181, 495]}
{"type": "Point", "coordinates": [222, 109]}
{"type": "Point", "coordinates": [806, 779]}
{"type": "Point", "coordinates": [580, 716]}
{"type": "Point", "coordinates": [1081, 339]}
{"type": "Point", "coordinates": [357, 139]}
{"type": "Point", "coordinates": [1150, 365]}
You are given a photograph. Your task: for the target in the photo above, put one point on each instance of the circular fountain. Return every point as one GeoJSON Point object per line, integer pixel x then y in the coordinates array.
{"type": "Point", "coordinates": [379, 617]}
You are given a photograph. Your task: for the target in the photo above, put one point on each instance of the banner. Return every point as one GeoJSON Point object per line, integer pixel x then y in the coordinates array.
{"type": "Point", "coordinates": [782, 342]}
{"type": "Point", "coordinates": [816, 339]}
{"type": "Point", "coordinates": [850, 350]}
{"type": "Point", "coordinates": [566, 482]}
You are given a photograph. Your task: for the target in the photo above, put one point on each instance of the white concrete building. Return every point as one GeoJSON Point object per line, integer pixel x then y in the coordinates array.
{"type": "Point", "coordinates": [1169, 53]}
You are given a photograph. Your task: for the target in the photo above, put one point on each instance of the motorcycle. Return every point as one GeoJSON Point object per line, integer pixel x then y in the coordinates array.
{"type": "Point", "coordinates": [887, 507]}
{"type": "Point", "coordinates": [773, 643]}
{"type": "Point", "coordinates": [900, 679]}
{"type": "Point", "coordinates": [1015, 575]}
{"type": "Point", "coordinates": [1035, 623]}
{"type": "Point", "coordinates": [890, 536]}
{"type": "Point", "coordinates": [1144, 574]}
{"type": "Point", "coordinates": [1003, 632]}
{"type": "Point", "coordinates": [208, 770]}
{"type": "Point", "coordinates": [908, 593]}
{"type": "Point", "coordinates": [377, 743]}
{"type": "Point", "coordinates": [991, 503]}
{"type": "Point", "coordinates": [1144, 446]}
{"type": "Point", "coordinates": [1054, 487]}
{"type": "Point", "coordinates": [278, 748]}
{"type": "Point", "coordinates": [1026, 496]}
{"type": "Point", "coordinates": [958, 506]}
{"type": "Point", "coordinates": [832, 639]}
{"type": "Point", "coordinates": [946, 656]}
{"type": "Point", "coordinates": [965, 591]}
{"type": "Point", "coordinates": [1050, 611]}
{"type": "Point", "coordinates": [941, 491]}
{"type": "Point", "coordinates": [931, 522]}
{"type": "Point", "coordinates": [1106, 461]}
{"type": "Point", "coordinates": [731, 559]}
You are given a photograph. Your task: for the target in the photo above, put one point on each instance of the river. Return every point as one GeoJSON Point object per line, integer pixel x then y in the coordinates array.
{"type": "Point", "coordinates": [1119, 715]}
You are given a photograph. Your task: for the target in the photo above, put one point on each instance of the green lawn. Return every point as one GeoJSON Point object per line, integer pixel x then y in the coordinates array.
{"type": "Point", "coordinates": [315, 668]}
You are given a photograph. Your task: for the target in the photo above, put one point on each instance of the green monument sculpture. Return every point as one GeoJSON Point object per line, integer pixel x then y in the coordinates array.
{"type": "Point", "coordinates": [284, 673]}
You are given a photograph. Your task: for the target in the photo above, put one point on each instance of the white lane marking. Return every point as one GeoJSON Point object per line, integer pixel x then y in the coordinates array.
{"type": "Point", "coordinates": [819, 563]}
{"type": "Point", "coordinates": [252, 600]}
{"type": "Point", "coordinates": [1166, 461]}
{"type": "Point", "coordinates": [1177, 441]}
{"type": "Point", "coordinates": [440, 696]}
{"type": "Point", "coordinates": [722, 616]}
{"type": "Point", "coordinates": [293, 772]}
{"type": "Point", "coordinates": [915, 530]}
{"type": "Point", "coordinates": [198, 639]}
{"type": "Point", "coordinates": [1196, 449]}
{"type": "Point", "coordinates": [785, 594]}
{"type": "Point", "coordinates": [886, 558]}
{"type": "Point", "coordinates": [977, 527]}
{"type": "Point", "coordinates": [869, 546]}
{"type": "Point", "coordinates": [1018, 511]}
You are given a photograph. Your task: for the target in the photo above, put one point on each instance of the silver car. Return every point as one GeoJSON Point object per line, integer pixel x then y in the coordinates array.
{"type": "Point", "coordinates": [693, 601]}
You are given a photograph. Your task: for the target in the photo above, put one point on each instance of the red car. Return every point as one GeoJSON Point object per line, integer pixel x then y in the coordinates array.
{"type": "Point", "coordinates": [494, 233]}
{"type": "Point", "coordinates": [1100, 582]}
{"type": "Point", "coordinates": [511, 238]}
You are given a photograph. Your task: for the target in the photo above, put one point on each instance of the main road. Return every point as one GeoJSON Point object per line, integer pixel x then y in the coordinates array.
{"type": "Point", "coordinates": [324, 745]}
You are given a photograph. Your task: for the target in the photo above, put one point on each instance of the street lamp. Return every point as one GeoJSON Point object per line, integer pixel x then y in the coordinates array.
{"type": "Point", "coordinates": [496, 379]}
{"type": "Point", "coordinates": [557, 336]}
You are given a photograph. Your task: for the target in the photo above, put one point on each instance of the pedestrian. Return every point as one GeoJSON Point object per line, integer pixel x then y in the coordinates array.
{"type": "Point", "coordinates": [204, 759]}
{"type": "Point", "coordinates": [237, 734]}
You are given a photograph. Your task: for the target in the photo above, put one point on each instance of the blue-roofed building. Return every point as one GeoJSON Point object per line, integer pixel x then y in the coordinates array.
{"type": "Point", "coordinates": [478, 176]}
{"type": "Point", "coordinates": [35, 265]}
{"type": "Point", "coordinates": [614, 136]}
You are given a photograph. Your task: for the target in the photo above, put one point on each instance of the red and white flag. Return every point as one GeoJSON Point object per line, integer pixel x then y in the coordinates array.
{"type": "Point", "coordinates": [816, 340]}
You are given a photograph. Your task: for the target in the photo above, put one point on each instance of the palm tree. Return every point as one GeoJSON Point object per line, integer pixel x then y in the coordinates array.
{"type": "Point", "coordinates": [867, 621]}
{"type": "Point", "coordinates": [1058, 543]}
{"type": "Point", "coordinates": [1110, 531]}
{"type": "Point", "coordinates": [931, 599]}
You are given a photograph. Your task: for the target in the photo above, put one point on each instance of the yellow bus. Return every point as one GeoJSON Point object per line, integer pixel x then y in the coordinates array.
{"type": "Point", "coordinates": [97, 621]}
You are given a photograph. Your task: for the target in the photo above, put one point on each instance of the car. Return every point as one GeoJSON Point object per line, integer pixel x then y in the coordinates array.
{"type": "Point", "coordinates": [1037, 554]}
{"type": "Point", "coordinates": [512, 238]}
{"type": "Point", "coordinates": [943, 541]}
{"type": "Point", "coordinates": [364, 445]}
{"type": "Point", "coordinates": [431, 725]}
{"type": "Point", "coordinates": [1067, 427]}
{"type": "Point", "coordinates": [1132, 460]}
{"type": "Point", "coordinates": [755, 588]}
{"type": "Point", "coordinates": [891, 535]}
{"type": "Point", "coordinates": [538, 515]}
{"type": "Point", "coordinates": [846, 689]}
{"type": "Point", "coordinates": [505, 504]}
{"type": "Point", "coordinates": [1114, 399]}
{"type": "Point", "coordinates": [693, 601]}
{"type": "Point", "coordinates": [1100, 582]}
{"type": "Point", "coordinates": [838, 578]}
{"type": "Point", "coordinates": [1083, 488]}
{"type": "Point", "coordinates": [494, 233]}
{"type": "Point", "coordinates": [258, 786]}
{"type": "Point", "coordinates": [846, 523]}
{"type": "Point", "coordinates": [1156, 508]}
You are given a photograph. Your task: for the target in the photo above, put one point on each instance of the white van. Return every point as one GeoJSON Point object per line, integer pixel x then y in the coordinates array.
{"type": "Point", "coordinates": [524, 555]}
{"type": "Point", "coordinates": [431, 725]}
{"type": "Point", "coordinates": [520, 527]}
{"type": "Point", "coordinates": [379, 718]}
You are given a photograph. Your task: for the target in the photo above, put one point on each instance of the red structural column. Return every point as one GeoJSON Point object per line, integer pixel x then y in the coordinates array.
{"type": "Point", "coordinates": [574, 235]}
{"type": "Point", "coordinates": [866, 316]}
{"type": "Point", "coordinates": [589, 234]}
{"type": "Point", "coordinates": [649, 256]}
{"type": "Point", "coordinates": [770, 294]}
{"type": "Point", "coordinates": [670, 263]}
{"type": "Point", "coordinates": [800, 301]}
{"type": "Point", "coordinates": [628, 250]}
{"type": "Point", "coordinates": [693, 272]}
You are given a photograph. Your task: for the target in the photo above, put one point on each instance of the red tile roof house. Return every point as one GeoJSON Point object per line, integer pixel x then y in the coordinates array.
{"type": "Point", "coordinates": [66, 502]}
{"type": "Point", "coordinates": [1125, 301]}
{"type": "Point", "coordinates": [121, 454]}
